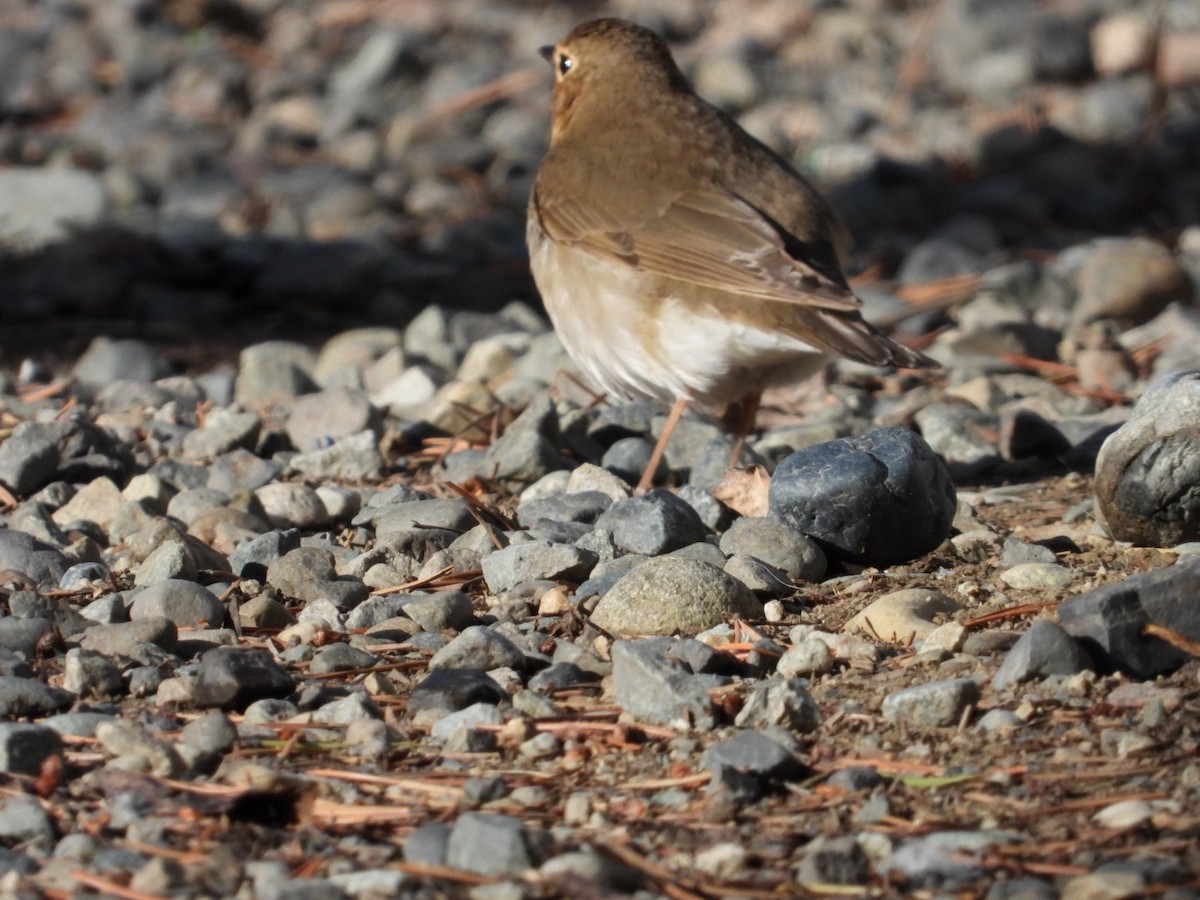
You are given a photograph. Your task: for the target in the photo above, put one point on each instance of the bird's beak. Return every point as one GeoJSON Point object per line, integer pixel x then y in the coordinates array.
{"type": "Point", "coordinates": [547, 52]}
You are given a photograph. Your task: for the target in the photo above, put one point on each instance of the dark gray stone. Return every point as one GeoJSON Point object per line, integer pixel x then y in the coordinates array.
{"type": "Point", "coordinates": [753, 752]}
{"type": "Point", "coordinates": [234, 677]}
{"type": "Point", "coordinates": [877, 500]}
{"type": "Point", "coordinates": [454, 689]}
{"type": "Point", "coordinates": [656, 523]}
{"type": "Point", "coordinates": [585, 506]}
{"type": "Point", "coordinates": [43, 564]}
{"type": "Point", "coordinates": [834, 860]}
{"type": "Point", "coordinates": [21, 697]}
{"type": "Point", "coordinates": [1109, 622]}
{"type": "Point", "coordinates": [1148, 471]}
{"type": "Point", "coordinates": [30, 456]}
{"type": "Point", "coordinates": [23, 748]}
{"type": "Point", "coordinates": [1045, 649]}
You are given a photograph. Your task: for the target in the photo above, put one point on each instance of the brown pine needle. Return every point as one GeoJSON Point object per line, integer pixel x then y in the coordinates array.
{"type": "Point", "coordinates": [107, 886]}
{"type": "Point", "coordinates": [1179, 641]}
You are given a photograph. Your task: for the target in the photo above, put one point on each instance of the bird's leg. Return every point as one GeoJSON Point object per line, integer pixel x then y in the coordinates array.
{"type": "Point", "coordinates": [647, 479]}
{"type": "Point", "coordinates": [746, 412]}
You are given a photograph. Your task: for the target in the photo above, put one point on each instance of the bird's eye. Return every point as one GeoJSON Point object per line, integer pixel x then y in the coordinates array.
{"type": "Point", "coordinates": [564, 64]}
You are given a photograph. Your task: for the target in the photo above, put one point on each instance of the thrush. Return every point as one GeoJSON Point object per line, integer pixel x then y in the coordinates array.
{"type": "Point", "coordinates": [679, 258]}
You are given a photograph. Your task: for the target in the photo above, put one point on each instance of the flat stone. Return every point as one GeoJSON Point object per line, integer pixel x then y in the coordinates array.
{"type": "Point", "coordinates": [912, 612]}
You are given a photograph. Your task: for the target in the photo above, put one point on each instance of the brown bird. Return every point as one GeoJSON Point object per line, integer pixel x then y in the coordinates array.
{"type": "Point", "coordinates": [679, 258]}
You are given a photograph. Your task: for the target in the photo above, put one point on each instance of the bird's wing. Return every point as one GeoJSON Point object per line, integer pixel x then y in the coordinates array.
{"type": "Point", "coordinates": [708, 238]}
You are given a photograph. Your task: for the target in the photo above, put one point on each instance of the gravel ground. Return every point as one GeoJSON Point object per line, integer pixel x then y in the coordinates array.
{"type": "Point", "coordinates": [321, 576]}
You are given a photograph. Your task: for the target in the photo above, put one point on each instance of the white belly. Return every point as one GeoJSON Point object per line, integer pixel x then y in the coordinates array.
{"type": "Point", "coordinates": [629, 352]}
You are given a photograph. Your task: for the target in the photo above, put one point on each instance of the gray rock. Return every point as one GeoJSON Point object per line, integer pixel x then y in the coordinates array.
{"type": "Point", "coordinates": [121, 639]}
{"type": "Point", "coordinates": [656, 523]}
{"type": "Point", "coordinates": [185, 603]}
{"type": "Point", "coordinates": [22, 635]}
{"type": "Point", "coordinates": [22, 697]}
{"type": "Point", "coordinates": [308, 574]}
{"type": "Point", "coordinates": [91, 674]}
{"type": "Point", "coordinates": [353, 458]}
{"type": "Point", "coordinates": [960, 436]}
{"type": "Point", "coordinates": [445, 609]}
{"type": "Point", "coordinates": [24, 822]}
{"type": "Point", "coordinates": [478, 648]}
{"type": "Point", "coordinates": [493, 845]}
{"type": "Point", "coordinates": [833, 860]}
{"type": "Point", "coordinates": [447, 690]}
{"type": "Point", "coordinates": [937, 704]}
{"type": "Point", "coordinates": [321, 419]}
{"type": "Point", "coordinates": [235, 677]}
{"type": "Point", "coordinates": [876, 500]}
{"type": "Point", "coordinates": [777, 544]}
{"type": "Point", "coordinates": [23, 748]}
{"type": "Point", "coordinates": [668, 595]}
{"type": "Point", "coordinates": [240, 470]}
{"type": "Point", "coordinates": [536, 561]}
{"type": "Point", "coordinates": [779, 702]}
{"type": "Point", "coordinates": [224, 430]}
{"type": "Point", "coordinates": [211, 733]}
{"type": "Point", "coordinates": [426, 844]}
{"type": "Point", "coordinates": [107, 360]}
{"type": "Point", "coordinates": [19, 552]}
{"type": "Point", "coordinates": [263, 550]}
{"type": "Point", "coordinates": [756, 754]}
{"type": "Point", "coordinates": [650, 687]}
{"type": "Point", "coordinates": [1109, 621]}
{"type": "Point", "coordinates": [289, 504]}
{"type": "Point", "coordinates": [340, 658]}
{"type": "Point", "coordinates": [1045, 649]}
{"type": "Point", "coordinates": [1148, 471]}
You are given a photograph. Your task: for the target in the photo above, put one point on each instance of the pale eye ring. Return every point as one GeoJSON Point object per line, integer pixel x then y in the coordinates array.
{"type": "Point", "coordinates": [564, 64]}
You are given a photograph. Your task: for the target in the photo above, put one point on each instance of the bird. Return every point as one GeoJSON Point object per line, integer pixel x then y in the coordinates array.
{"type": "Point", "coordinates": [679, 258]}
